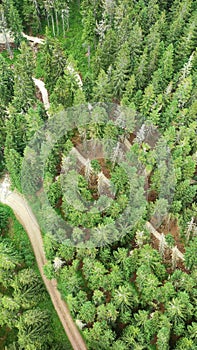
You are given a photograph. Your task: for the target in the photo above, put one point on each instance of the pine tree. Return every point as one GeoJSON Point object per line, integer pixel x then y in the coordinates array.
{"type": "Point", "coordinates": [141, 69]}
{"type": "Point", "coordinates": [13, 164]}
{"type": "Point", "coordinates": [13, 20]}
{"type": "Point", "coordinates": [54, 63]}
{"type": "Point", "coordinates": [102, 89]}
{"type": "Point", "coordinates": [32, 14]}
{"type": "Point", "coordinates": [129, 91]}
{"type": "Point", "coordinates": [34, 329]}
{"type": "Point", "coordinates": [148, 100]}
{"type": "Point", "coordinates": [120, 74]}
{"type": "Point", "coordinates": [180, 12]}
{"type": "Point", "coordinates": [9, 261]}
{"type": "Point", "coordinates": [105, 52]}
{"type": "Point", "coordinates": [187, 44]}
{"type": "Point", "coordinates": [24, 88]}
{"type": "Point", "coordinates": [154, 45]}
{"type": "Point", "coordinates": [65, 90]}
{"type": "Point", "coordinates": [166, 64]}
{"type": "Point", "coordinates": [89, 24]}
{"type": "Point", "coordinates": [6, 82]}
{"type": "Point", "coordinates": [135, 41]}
{"type": "Point", "coordinates": [28, 289]}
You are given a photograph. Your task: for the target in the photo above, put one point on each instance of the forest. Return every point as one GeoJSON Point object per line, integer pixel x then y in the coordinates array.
{"type": "Point", "coordinates": [107, 160]}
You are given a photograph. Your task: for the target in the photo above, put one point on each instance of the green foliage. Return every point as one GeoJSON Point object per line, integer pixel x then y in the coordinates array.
{"type": "Point", "coordinates": [7, 81]}
{"type": "Point", "coordinates": [53, 62]}
{"type": "Point", "coordinates": [190, 255]}
{"type": "Point", "coordinates": [24, 89]}
{"type": "Point", "coordinates": [4, 215]}
{"type": "Point", "coordinates": [139, 54]}
{"type": "Point", "coordinates": [31, 14]}
{"type": "Point", "coordinates": [28, 289]}
{"type": "Point", "coordinates": [170, 240]}
{"type": "Point", "coordinates": [34, 335]}
{"type": "Point", "coordinates": [24, 301]}
{"type": "Point", "coordinates": [13, 20]}
{"type": "Point", "coordinates": [95, 165]}
{"type": "Point", "coordinates": [64, 90]}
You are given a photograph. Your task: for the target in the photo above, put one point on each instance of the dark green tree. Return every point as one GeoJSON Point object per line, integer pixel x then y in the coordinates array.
{"type": "Point", "coordinates": [24, 88]}
{"type": "Point", "coordinates": [13, 20]}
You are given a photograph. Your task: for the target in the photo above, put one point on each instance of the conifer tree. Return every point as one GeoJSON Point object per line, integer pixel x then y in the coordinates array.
{"type": "Point", "coordinates": [13, 20]}
{"type": "Point", "coordinates": [102, 89]}
{"type": "Point", "coordinates": [121, 72]}
{"type": "Point", "coordinates": [24, 88]}
{"type": "Point", "coordinates": [32, 11]}
{"type": "Point", "coordinates": [180, 11]}
{"type": "Point", "coordinates": [187, 44]}
{"type": "Point", "coordinates": [6, 82]}
{"type": "Point", "coordinates": [54, 63]}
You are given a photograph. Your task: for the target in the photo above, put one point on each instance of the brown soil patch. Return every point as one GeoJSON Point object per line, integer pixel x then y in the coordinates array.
{"type": "Point", "coordinates": [39, 95]}
{"type": "Point", "coordinates": [167, 259]}
{"type": "Point", "coordinates": [76, 139]}
{"type": "Point", "coordinates": [151, 195]}
{"type": "Point", "coordinates": [93, 181]}
{"type": "Point", "coordinates": [172, 228]}
{"type": "Point", "coordinates": [4, 48]}
{"type": "Point", "coordinates": [93, 186]}
{"type": "Point", "coordinates": [104, 167]}
{"type": "Point", "coordinates": [108, 296]}
{"type": "Point", "coordinates": [59, 203]}
{"type": "Point", "coordinates": [131, 137]}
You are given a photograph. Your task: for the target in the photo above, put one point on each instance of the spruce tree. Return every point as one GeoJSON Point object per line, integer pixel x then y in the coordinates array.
{"type": "Point", "coordinates": [13, 20]}
{"type": "Point", "coordinates": [24, 88]}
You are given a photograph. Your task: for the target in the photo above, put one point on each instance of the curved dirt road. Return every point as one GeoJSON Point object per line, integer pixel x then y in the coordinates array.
{"type": "Point", "coordinates": [45, 97]}
{"type": "Point", "coordinates": [28, 220]}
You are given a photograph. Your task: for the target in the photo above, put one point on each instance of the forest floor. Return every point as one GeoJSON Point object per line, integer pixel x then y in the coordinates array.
{"type": "Point", "coordinates": [28, 220]}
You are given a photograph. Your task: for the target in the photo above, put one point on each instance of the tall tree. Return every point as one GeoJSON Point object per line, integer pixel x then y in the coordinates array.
{"type": "Point", "coordinates": [24, 88]}
{"type": "Point", "coordinates": [9, 260]}
{"type": "Point", "coordinates": [13, 20]}
{"type": "Point", "coordinates": [180, 12]}
{"type": "Point", "coordinates": [32, 11]}
{"type": "Point", "coordinates": [54, 63]}
{"type": "Point", "coordinates": [7, 81]}
{"type": "Point", "coordinates": [28, 289]}
{"type": "Point", "coordinates": [120, 74]}
{"type": "Point", "coordinates": [34, 330]}
{"type": "Point", "coordinates": [102, 89]}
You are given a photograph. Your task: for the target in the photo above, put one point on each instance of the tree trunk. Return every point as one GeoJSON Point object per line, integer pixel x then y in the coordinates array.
{"type": "Point", "coordinates": [37, 11]}
{"type": "Point", "coordinates": [89, 56]}
{"type": "Point", "coordinates": [53, 25]}
{"type": "Point", "coordinates": [63, 24]}
{"type": "Point", "coordinates": [47, 19]}
{"type": "Point", "coordinates": [3, 25]}
{"type": "Point", "coordinates": [57, 22]}
{"type": "Point", "coordinates": [7, 43]}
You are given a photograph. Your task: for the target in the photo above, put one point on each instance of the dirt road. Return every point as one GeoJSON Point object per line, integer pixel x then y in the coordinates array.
{"type": "Point", "coordinates": [28, 220]}
{"type": "Point", "coordinates": [41, 86]}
